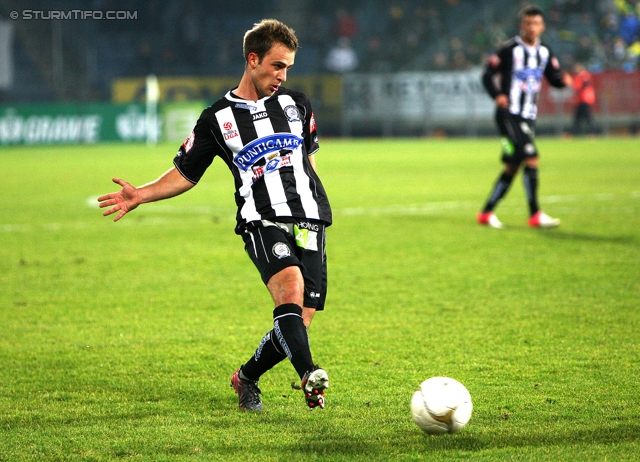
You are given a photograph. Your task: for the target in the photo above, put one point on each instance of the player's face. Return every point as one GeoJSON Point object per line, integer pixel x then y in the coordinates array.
{"type": "Point", "coordinates": [531, 28]}
{"type": "Point", "coordinates": [268, 74]}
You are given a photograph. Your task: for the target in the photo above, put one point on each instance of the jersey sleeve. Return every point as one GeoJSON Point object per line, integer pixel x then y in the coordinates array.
{"type": "Point", "coordinates": [198, 151]}
{"type": "Point", "coordinates": [553, 72]}
{"type": "Point", "coordinates": [310, 129]}
{"type": "Point", "coordinates": [495, 65]}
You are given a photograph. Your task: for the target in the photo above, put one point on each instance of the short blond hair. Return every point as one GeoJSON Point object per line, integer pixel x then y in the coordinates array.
{"type": "Point", "coordinates": [264, 34]}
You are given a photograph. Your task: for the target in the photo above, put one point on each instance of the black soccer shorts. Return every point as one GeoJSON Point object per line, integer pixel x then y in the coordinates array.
{"type": "Point", "coordinates": [275, 246]}
{"type": "Point", "coordinates": [517, 137]}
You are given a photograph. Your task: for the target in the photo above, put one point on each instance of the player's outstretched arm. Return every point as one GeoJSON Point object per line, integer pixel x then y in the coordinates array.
{"type": "Point", "coordinates": [129, 197]}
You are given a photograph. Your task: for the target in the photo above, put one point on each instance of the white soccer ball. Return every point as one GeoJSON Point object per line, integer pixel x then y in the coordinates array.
{"type": "Point", "coordinates": [441, 405]}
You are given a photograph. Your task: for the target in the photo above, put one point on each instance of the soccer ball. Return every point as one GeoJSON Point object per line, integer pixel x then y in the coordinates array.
{"type": "Point", "coordinates": [441, 405]}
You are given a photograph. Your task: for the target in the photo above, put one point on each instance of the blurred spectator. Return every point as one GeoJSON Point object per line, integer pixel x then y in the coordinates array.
{"type": "Point", "coordinates": [497, 35]}
{"type": "Point", "coordinates": [584, 97]}
{"type": "Point", "coordinates": [459, 62]}
{"type": "Point", "coordinates": [342, 58]}
{"type": "Point", "coordinates": [346, 24]}
{"type": "Point", "coordinates": [433, 24]}
{"type": "Point", "coordinates": [440, 61]}
{"type": "Point", "coordinates": [320, 27]}
{"type": "Point", "coordinates": [374, 59]}
{"type": "Point", "coordinates": [584, 50]}
{"type": "Point", "coordinates": [143, 64]}
{"type": "Point", "coordinates": [619, 50]}
{"type": "Point", "coordinates": [629, 27]}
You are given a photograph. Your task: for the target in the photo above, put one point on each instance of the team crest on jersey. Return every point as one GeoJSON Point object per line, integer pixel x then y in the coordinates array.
{"type": "Point", "coordinates": [292, 113]}
{"type": "Point", "coordinates": [281, 250]}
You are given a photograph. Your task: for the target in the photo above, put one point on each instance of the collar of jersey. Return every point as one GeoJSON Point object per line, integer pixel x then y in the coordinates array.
{"type": "Point", "coordinates": [526, 45]}
{"type": "Point", "coordinates": [231, 96]}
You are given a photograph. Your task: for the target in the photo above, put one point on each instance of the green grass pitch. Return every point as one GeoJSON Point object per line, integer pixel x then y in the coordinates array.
{"type": "Point", "coordinates": [117, 340]}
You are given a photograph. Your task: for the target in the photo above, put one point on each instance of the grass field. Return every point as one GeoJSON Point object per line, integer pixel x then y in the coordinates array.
{"type": "Point", "coordinates": [117, 341]}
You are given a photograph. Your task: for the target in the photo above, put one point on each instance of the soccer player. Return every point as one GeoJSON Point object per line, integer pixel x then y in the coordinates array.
{"type": "Point", "coordinates": [513, 78]}
{"type": "Point", "coordinates": [266, 135]}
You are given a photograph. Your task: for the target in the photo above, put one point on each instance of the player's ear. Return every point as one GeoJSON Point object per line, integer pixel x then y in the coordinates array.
{"type": "Point", "coordinates": [253, 60]}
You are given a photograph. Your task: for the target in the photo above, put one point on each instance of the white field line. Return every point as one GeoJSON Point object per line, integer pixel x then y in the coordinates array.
{"type": "Point", "coordinates": [428, 208]}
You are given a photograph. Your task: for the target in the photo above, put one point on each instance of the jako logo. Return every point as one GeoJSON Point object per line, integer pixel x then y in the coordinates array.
{"type": "Point", "coordinates": [259, 148]}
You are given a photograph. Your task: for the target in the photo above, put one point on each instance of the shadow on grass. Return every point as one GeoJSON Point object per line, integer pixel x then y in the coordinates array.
{"type": "Point", "coordinates": [372, 446]}
{"type": "Point", "coordinates": [573, 236]}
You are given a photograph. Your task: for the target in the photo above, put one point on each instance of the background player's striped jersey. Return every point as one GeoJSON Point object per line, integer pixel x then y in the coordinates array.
{"type": "Point", "coordinates": [266, 144]}
{"type": "Point", "coordinates": [516, 70]}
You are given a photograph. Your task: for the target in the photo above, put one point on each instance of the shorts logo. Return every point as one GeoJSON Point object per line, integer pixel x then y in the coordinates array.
{"type": "Point", "coordinates": [292, 113]}
{"type": "Point", "coordinates": [281, 250]}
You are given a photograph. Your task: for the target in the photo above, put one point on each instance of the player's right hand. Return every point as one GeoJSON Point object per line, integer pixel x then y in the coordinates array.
{"type": "Point", "coordinates": [122, 201]}
{"type": "Point", "coordinates": [502, 101]}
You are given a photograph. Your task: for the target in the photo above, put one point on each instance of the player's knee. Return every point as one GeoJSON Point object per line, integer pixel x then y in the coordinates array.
{"type": "Point", "coordinates": [287, 286]}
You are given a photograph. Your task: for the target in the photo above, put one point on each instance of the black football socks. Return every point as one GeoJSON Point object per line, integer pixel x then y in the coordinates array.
{"type": "Point", "coordinates": [287, 339]}
{"type": "Point", "coordinates": [530, 180]}
{"type": "Point", "coordinates": [499, 190]}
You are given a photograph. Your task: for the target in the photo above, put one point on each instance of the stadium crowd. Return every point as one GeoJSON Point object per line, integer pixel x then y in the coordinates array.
{"type": "Point", "coordinates": [376, 35]}
{"type": "Point", "coordinates": [198, 37]}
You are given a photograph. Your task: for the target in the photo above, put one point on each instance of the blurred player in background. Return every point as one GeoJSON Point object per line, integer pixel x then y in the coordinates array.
{"type": "Point", "coordinates": [513, 78]}
{"type": "Point", "coordinates": [584, 97]}
{"type": "Point", "coordinates": [266, 135]}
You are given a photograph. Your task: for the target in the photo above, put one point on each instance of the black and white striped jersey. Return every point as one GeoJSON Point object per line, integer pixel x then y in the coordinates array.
{"type": "Point", "coordinates": [516, 70]}
{"type": "Point", "coordinates": [266, 144]}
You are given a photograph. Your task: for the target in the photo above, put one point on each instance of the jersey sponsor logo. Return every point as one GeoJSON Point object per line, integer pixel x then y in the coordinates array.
{"type": "Point", "coordinates": [531, 79]}
{"type": "Point", "coordinates": [281, 250]}
{"type": "Point", "coordinates": [292, 113]}
{"type": "Point", "coordinates": [264, 146]}
{"type": "Point", "coordinates": [246, 106]}
{"type": "Point", "coordinates": [529, 73]}
{"type": "Point", "coordinates": [260, 115]}
{"type": "Point", "coordinates": [273, 164]}
{"type": "Point", "coordinates": [188, 143]}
